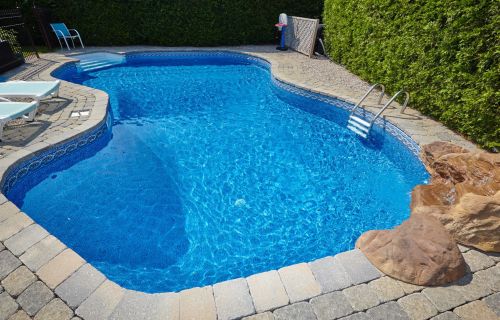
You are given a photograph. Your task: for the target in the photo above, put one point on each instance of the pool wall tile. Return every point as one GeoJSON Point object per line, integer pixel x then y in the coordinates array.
{"type": "Point", "coordinates": [88, 131]}
{"type": "Point", "coordinates": [55, 265]}
{"type": "Point", "coordinates": [47, 156]}
{"type": "Point", "coordinates": [299, 282]}
{"type": "Point", "coordinates": [267, 290]}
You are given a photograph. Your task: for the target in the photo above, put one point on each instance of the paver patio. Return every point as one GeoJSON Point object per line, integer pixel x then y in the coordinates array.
{"type": "Point", "coordinates": [42, 279]}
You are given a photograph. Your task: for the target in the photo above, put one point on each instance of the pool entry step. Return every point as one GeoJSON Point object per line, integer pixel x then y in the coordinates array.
{"type": "Point", "coordinates": [361, 126]}
{"type": "Point", "coordinates": [98, 60]}
{"type": "Point", "coordinates": [358, 125]}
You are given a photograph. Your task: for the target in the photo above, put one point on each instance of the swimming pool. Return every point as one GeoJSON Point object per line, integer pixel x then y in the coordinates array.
{"type": "Point", "coordinates": [211, 170]}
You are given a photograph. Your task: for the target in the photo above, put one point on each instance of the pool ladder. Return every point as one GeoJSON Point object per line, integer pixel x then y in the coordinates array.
{"type": "Point", "coordinates": [362, 126]}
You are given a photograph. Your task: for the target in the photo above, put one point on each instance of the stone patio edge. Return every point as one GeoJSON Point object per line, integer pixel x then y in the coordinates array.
{"type": "Point", "coordinates": [300, 282]}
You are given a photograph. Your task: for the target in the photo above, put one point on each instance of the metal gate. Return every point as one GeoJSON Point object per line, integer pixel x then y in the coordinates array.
{"type": "Point", "coordinates": [16, 42]}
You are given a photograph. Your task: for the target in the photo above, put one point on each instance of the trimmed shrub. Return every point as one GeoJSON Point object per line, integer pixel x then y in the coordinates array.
{"type": "Point", "coordinates": [177, 22]}
{"type": "Point", "coordinates": [444, 52]}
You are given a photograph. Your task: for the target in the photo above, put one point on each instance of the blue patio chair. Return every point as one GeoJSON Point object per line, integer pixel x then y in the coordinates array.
{"type": "Point", "coordinates": [63, 33]}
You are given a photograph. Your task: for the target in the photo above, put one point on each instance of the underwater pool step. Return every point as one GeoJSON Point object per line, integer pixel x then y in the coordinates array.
{"type": "Point", "coordinates": [94, 61]}
{"type": "Point", "coordinates": [360, 121]}
{"type": "Point", "coordinates": [357, 131]}
{"type": "Point", "coordinates": [360, 126]}
{"type": "Point", "coordinates": [99, 67]}
{"type": "Point", "coordinates": [94, 65]}
{"type": "Point", "coordinates": [89, 64]}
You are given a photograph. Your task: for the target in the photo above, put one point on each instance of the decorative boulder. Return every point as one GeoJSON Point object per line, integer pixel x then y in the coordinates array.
{"type": "Point", "coordinates": [473, 221]}
{"type": "Point", "coordinates": [419, 251]}
{"type": "Point", "coordinates": [463, 195]}
{"type": "Point", "coordinates": [438, 194]}
{"type": "Point", "coordinates": [472, 168]}
{"type": "Point", "coordinates": [431, 152]}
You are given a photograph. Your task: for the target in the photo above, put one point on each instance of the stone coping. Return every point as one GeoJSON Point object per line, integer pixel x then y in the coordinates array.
{"type": "Point", "coordinates": [92, 296]}
{"type": "Point", "coordinates": [87, 134]}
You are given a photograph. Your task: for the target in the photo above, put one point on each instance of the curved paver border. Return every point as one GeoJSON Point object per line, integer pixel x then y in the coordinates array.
{"type": "Point", "coordinates": [53, 152]}
{"type": "Point", "coordinates": [92, 296]}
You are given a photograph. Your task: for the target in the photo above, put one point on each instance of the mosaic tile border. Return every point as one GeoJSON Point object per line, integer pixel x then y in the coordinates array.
{"type": "Point", "coordinates": [54, 153]}
{"type": "Point", "coordinates": [51, 154]}
{"type": "Point", "coordinates": [382, 123]}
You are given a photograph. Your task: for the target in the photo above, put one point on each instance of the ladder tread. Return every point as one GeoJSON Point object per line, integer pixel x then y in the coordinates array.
{"type": "Point", "coordinates": [359, 126]}
{"type": "Point", "coordinates": [358, 132]}
{"type": "Point", "coordinates": [97, 67]}
{"type": "Point", "coordinates": [359, 120]}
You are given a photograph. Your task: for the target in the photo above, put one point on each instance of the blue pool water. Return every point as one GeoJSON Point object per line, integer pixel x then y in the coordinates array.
{"type": "Point", "coordinates": [211, 172]}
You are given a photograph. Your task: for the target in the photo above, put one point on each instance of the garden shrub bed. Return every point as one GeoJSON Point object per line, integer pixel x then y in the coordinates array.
{"type": "Point", "coordinates": [445, 53]}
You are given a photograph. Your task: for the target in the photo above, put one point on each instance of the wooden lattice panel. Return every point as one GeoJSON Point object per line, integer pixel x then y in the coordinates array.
{"type": "Point", "coordinates": [301, 34]}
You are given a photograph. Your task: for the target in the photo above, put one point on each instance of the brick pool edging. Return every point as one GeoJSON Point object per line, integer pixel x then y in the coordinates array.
{"type": "Point", "coordinates": [53, 152]}
{"type": "Point", "coordinates": [74, 280]}
{"type": "Point", "coordinates": [92, 296]}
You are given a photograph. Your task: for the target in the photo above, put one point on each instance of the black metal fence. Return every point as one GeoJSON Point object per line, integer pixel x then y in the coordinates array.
{"type": "Point", "coordinates": [16, 41]}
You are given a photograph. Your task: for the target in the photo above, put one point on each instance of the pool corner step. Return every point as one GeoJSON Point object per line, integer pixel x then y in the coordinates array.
{"type": "Point", "coordinates": [98, 60]}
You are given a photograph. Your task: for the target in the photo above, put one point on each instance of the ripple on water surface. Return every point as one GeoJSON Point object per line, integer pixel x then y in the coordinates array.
{"type": "Point", "coordinates": [211, 173]}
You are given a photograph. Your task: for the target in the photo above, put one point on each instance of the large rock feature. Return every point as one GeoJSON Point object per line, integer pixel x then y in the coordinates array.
{"type": "Point", "coordinates": [462, 204]}
{"type": "Point", "coordinates": [436, 195]}
{"type": "Point", "coordinates": [451, 164]}
{"type": "Point", "coordinates": [431, 152]}
{"type": "Point", "coordinates": [471, 168]}
{"type": "Point", "coordinates": [419, 251]}
{"type": "Point", "coordinates": [473, 221]}
{"type": "Point", "coordinates": [463, 194]}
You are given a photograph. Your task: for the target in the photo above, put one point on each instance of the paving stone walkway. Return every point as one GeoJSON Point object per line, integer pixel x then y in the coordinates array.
{"type": "Point", "coordinates": [40, 278]}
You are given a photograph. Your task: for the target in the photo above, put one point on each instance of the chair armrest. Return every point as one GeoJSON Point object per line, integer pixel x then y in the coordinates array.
{"type": "Point", "coordinates": [59, 33]}
{"type": "Point", "coordinates": [75, 31]}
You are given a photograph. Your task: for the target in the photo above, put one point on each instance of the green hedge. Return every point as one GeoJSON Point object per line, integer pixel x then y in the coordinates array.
{"type": "Point", "coordinates": [444, 52]}
{"type": "Point", "coordinates": [177, 22]}
{"type": "Point", "coordinates": [11, 37]}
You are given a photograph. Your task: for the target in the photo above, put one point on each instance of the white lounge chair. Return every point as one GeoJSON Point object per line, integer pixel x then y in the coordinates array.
{"type": "Point", "coordinates": [62, 32]}
{"type": "Point", "coordinates": [10, 110]}
{"type": "Point", "coordinates": [36, 90]}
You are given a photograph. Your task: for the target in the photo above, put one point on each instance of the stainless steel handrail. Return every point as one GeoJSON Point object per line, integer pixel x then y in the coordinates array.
{"type": "Point", "coordinates": [366, 95]}
{"type": "Point", "coordinates": [389, 102]}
